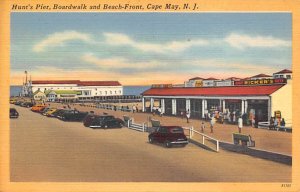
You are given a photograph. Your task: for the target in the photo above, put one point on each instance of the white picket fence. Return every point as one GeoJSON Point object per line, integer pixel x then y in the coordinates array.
{"type": "Point", "coordinates": [136, 126]}
{"type": "Point", "coordinates": [203, 137]}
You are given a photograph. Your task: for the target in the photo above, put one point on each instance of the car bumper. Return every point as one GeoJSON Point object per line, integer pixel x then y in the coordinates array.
{"type": "Point", "coordinates": [179, 142]}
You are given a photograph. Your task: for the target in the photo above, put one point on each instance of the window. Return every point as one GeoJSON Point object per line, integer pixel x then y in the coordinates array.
{"type": "Point", "coordinates": [105, 92]}
{"type": "Point", "coordinates": [110, 92]}
{"type": "Point", "coordinates": [281, 76]}
{"type": "Point", "coordinates": [288, 76]}
{"type": "Point", "coordinates": [115, 92]}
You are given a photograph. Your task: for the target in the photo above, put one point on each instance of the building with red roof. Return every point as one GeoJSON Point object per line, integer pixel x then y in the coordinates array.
{"type": "Point", "coordinates": [256, 98]}
{"type": "Point", "coordinates": [88, 89]}
{"type": "Point", "coordinates": [283, 74]}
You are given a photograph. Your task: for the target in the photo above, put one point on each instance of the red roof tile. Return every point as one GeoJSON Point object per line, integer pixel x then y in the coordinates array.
{"type": "Point", "coordinates": [211, 78]}
{"type": "Point", "coordinates": [99, 83]}
{"type": "Point", "coordinates": [261, 75]}
{"type": "Point", "coordinates": [284, 71]}
{"type": "Point", "coordinates": [213, 91]}
{"type": "Point", "coordinates": [78, 82]}
{"type": "Point", "coordinates": [196, 78]}
{"type": "Point", "coordinates": [55, 82]}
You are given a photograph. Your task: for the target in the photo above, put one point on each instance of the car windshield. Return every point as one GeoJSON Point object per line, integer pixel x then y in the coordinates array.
{"type": "Point", "coordinates": [176, 130]}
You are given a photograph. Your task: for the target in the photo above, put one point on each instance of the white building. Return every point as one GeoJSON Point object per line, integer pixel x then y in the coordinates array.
{"type": "Point", "coordinates": [287, 74]}
{"type": "Point", "coordinates": [89, 89]}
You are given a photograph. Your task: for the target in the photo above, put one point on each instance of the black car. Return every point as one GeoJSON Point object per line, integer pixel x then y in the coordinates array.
{"type": "Point", "coordinates": [13, 113]}
{"type": "Point", "coordinates": [26, 104]}
{"type": "Point", "coordinates": [73, 115]}
{"type": "Point", "coordinates": [102, 121]}
{"type": "Point", "coordinates": [169, 136]}
{"type": "Point", "coordinates": [57, 113]}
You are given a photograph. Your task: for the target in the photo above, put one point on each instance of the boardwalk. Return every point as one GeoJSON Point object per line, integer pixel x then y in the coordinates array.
{"type": "Point", "coordinates": [47, 149]}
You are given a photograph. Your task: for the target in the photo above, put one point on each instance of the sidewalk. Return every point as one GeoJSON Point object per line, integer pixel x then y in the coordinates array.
{"type": "Point", "coordinates": [274, 141]}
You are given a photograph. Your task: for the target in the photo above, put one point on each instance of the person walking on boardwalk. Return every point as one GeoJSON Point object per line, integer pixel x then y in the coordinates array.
{"type": "Point", "coordinates": [212, 122]}
{"type": "Point", "coordinates": [188, 115]}
{"type": "Point", "coordinates": [202, 127]}
{"type": "Point", "coordinates": [240, 124]}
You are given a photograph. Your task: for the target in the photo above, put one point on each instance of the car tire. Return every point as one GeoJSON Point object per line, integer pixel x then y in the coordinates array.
{"type": "Point", "coordinates": [151, 140]}
{"type": "Point", "coordinates": [168, 144]}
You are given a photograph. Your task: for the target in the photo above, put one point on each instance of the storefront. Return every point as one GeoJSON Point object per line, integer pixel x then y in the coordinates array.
{"type": "Point", "coordinates": [254, 101]}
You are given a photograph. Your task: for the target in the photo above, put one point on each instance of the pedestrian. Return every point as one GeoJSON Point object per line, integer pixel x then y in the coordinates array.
{"type": "Point", "coordinates": [271, 123]}
{"type": "Point", "coordinates": [282, 123]}
{"type": "Point", "coordinates": [240, 124]}
{"type": "Point", "coordinates": [212, 122]}
{"type": "Point", "coordinates": [181, 114]}
{"type": "Point", "coordinates": [275, 123]}
{"type": "Point", "coordinates": [202, 127]}
{"type": "Point", "coordinates": [159, 111]}
{"type": "Point", "coordinates": [133, 109]}
{"type": "Point", "coordinates": [253, 121]}
{"type": "Point", "coordinates": [188, 115]}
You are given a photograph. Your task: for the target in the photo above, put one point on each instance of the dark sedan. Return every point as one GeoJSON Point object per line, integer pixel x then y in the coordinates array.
{"type": "Point", "coordinates": [73, 115]}
{"type": "Point", "coordinates": [13, 113]}
{"type": "Point", "coordinates": [102, 121]}
{"type": "Point", "coordinates": [169, 136]}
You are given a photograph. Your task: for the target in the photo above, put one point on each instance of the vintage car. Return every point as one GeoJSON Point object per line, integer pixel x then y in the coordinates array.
{"type": "Point", "coordinates": [37, 108]}
{"type": "Point", "coordinates": [13, 113]}
{"type": "Point", "coordinates": [169, 136]}
{"type": "Point", "coordinates": [26, 104]}
{"type": "Point", "coordinates": [102, 121]}
{"type": "Point", "coordinates": [49, 112]}
{"type": "Point", "coordinates": [73, 115]}
{"type": "Point", "coordinates": [56, 113]}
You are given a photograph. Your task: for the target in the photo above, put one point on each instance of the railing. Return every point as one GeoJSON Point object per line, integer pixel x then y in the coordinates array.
{"type": "Point", "coordinates": [203, 138]}
{"type": "Point", "coordinates": [266, 125]}
{"type": "Point", "coordinates": [135, 126]}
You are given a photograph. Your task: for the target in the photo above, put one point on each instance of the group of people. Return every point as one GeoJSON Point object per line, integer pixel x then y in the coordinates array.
{"type": "Point", "coordinates": [275, 122]}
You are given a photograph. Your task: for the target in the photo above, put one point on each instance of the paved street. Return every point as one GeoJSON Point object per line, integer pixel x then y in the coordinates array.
{"type": "Point", "coordinates": [47, 149]}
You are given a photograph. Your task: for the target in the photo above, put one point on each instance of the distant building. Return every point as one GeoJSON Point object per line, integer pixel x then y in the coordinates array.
{"type": "Point", "coordinates": [287, 74]}
{"type": "Point", "coordinates": [261, 76]}
{"type": "Point", "coordinates": [88, 89]}
{"type": "Point", "coordinates": [62, 95]}
{"type": "Point", "coordinates": [39, 96]}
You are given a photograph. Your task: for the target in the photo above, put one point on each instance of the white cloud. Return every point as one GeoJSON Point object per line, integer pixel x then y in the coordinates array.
{"type": "Point", "coordinates": [118, 39]}
{"type": "Point", "coordinates": [243, 41]}
{"type": "Point", "coordinates": [58, 39]}
{"type": "Point", "coordinates": [118, 62]}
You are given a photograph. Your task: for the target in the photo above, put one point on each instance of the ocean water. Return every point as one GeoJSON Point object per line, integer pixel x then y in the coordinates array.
{"type": "Point", "coordinates": [127, 90]}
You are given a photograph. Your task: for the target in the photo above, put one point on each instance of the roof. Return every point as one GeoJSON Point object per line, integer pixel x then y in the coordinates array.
{"type": "Point", "coordinates": [55, 82]}
{"type": "Point", "coordinates": [283, 71]}
{"type": "Point", "coordinates": [99, 83]}
{"type": "Point", "coordinates": [211, 78]}
{"type": "Point", "coordinates": [233, 78]}
{"type": "Point", "coordinates": [261, 75]}
{"type": "Point", "coordinates": [37, 91]}
{"type": "Point", "coordinates": [78, 82]}
{"type": "Point", "coordinates": [196, 78]}
{"type": "Point", "coordinates": [213, 91]}
{"type": "Point", "coordinates": [60, 92]}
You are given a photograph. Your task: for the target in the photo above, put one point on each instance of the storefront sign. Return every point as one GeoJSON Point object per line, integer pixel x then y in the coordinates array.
{"type": "Point", "coordinates": [162, 86]}
{"type": "Point", "coordinates": [260, 82]}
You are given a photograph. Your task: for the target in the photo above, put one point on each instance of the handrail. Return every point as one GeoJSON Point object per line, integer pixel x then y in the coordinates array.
{"type": "Point", "coordinates": [192, 131]}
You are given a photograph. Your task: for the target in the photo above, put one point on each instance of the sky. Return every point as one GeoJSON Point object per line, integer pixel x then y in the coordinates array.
{"type": "Point", "coordinates": [148, 48]}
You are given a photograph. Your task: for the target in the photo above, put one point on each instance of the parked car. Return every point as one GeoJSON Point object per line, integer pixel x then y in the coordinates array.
{"type": "Point", "coordinates": [26, 104]}
{"type": "Point", "coordinates": [49, 112]}
{"type": "Point", "coordinates": [56, 113]}
{"type": "Point", "coordinates": [102, 121]}
{"type": "Point", "coordinates": [13, 113]}
{"type": "Point", "coordinates": [37, 108]}
{"type": "Point", "coordinates": [18, 102]}
{"type": "Point", "coordinates": [73, 115]}
{"type": "Point", "coordinates": [169, 136]}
